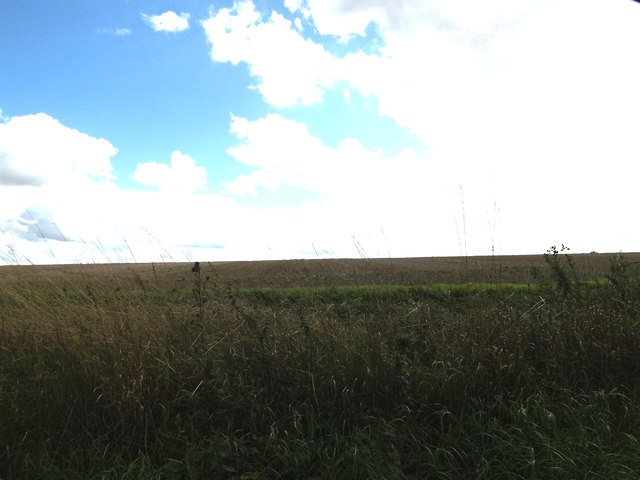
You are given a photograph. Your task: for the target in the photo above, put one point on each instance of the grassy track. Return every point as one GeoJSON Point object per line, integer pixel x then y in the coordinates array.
{"type": "Point", "coordinates": [133, 377]}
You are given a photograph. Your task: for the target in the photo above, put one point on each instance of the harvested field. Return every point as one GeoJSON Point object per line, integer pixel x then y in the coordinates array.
{"type": "Point", "coordinates": [327, 272]}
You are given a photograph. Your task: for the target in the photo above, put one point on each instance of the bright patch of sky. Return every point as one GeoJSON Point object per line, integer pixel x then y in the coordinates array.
{"type": "Point", "coordinates": [185, 130]}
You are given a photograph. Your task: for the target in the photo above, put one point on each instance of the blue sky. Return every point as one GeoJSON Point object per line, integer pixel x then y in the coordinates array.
{"type": "Point", "coordinates": [147, 130]}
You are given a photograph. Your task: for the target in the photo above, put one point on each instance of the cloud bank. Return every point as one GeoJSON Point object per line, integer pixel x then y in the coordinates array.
{"type": "Point", "coordinates": [288, 68]}
{"type": "Point", "coordinates": [528, 111]}
{"type": "Point", "coordinates": [521, 104]}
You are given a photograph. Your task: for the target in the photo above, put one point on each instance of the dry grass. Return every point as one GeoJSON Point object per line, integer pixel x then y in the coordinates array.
{"type": "Point", "coordinates": [321, 273]}
{"type": "Point", "coordinates": [152, 371]}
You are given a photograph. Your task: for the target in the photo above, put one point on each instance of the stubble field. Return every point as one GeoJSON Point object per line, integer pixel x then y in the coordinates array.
{"type": "Point", "coordinates": [322, 272]}
{"type": "Point", "coordinates": [478, 367]}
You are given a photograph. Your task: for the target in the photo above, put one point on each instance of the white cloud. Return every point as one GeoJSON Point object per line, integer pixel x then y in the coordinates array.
{"type": "Point", "coordinates": [361, 190]}
{"type": "Point", "coordinates": [117, 32]}
{"type": "Point", "coordinates": [524, 104]}
{"type": "Point", "coordinates": [70, 217]}
{"type": "Point", "coordinates": [346, 19]}
{"type": "Point", "coordinates": [293, 5]}
{"type": "Point", "coordinates": [461, 18]}
{"type": "Point", "coordinates": [168, 21]}
{"type": "Point", "coordinates": [284, 153]}
{"type": "Point", "coordinates": [288, 68]}
{"type": "Point", "coordinates": [60, 205]}
{"type": "Point", "coordinates": [37, 149]}
{"type": "Point", "coordinates": [491, 73]}
{"type": "Point", "coordinates": [368, 203]}
{"type": "Point", "coordinates": [529, 110]}
{"type": "Point", "coordinates": [346, 93]}
{"type": "Point", "coordinates": [182, 176]}
{"type": "Point", "coordinates": [51, 177]}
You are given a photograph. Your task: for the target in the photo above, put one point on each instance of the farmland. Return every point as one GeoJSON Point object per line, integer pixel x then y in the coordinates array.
{"type": "Point", "coordinates": [478, 367]}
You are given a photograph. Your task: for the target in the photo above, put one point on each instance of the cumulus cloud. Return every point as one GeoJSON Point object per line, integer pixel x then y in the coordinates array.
{"type": "Point", "coordinates": [289, 69]}
{"type": "Point", "coordinates": [491, 73]}
{"type": "Point", "coordinates": [182, 176]}
{"type": "Point", "coordinates": [60, 204]}
{"type": "Point", "coordinates": [285, 154]}
{"type": "Point", "coordinates": [277, 162]}
{"type": "Point", "coordinates": [513, 100]}
{"type": "Point", "coordinates": [168, 21]}
{"type": "Point", "coordinates": [362, 196]}
{"type": "Point", "coordinates": [37, 149]}
{"type": "Point", "coordinates": [90, 219]}
{"type": "Point", "coordinates": [72, 214]}
{"type": "Point", "coordinates": [51, 183]}
{"type": "Point", "coordinates": [10, 174]}
{"type": "Point", "coordinates": [425, 48]}
{"type": "Point", "coordinates": [344, 19]}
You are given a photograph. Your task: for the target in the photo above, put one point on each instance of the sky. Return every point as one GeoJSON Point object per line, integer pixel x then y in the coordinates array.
{"type": "Point", "coordinates": [184, 130]}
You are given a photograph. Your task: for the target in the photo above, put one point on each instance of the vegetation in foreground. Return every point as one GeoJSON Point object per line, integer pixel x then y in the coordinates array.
{"type": "Point", "coordinates": [129, 380]}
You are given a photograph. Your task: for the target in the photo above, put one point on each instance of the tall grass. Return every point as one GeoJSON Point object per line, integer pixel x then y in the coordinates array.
{"type": "Point", "coordinates": [125, 379]}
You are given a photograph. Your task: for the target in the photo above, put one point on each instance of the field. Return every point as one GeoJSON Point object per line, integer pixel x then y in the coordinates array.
{"type": "Point", "coordinates": [478, 367]}
{"type": "Point", "coordinates": [322, 273]}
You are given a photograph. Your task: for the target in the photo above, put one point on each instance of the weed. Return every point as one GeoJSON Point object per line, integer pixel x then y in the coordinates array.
{"type": "Point", "coordinates": [621, 277]}
{"type": "Point", "coordinates": [561, 268]}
